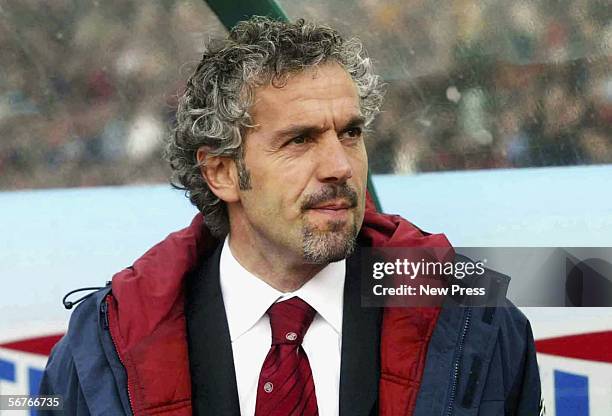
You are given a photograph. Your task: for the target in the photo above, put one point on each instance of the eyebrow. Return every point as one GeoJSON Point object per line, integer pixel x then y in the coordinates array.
{"type": "Point", "coordinates": [295, 130]}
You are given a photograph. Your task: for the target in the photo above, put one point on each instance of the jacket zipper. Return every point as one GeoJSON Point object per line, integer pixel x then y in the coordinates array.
{"type": "Point", "coordinates": [104, 316]}
{"type": "Point", "coordinates": [105, 323]}
{"type": "Point", "coordinates": [453, 393]}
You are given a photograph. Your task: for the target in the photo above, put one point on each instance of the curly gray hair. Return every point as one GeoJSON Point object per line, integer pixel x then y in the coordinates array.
{"type": "Point", "coordinates": [213, 112]}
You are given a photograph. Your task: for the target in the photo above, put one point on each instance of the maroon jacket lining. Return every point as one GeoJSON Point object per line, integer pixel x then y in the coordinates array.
{"type": "Point", "coordinates": [147, 321]}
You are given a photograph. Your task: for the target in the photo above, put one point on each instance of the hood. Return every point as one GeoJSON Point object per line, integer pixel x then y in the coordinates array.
{"type": "Point", "coordinates": [152, 286]}
{"type": "Point", "coordinates": [147, 321]}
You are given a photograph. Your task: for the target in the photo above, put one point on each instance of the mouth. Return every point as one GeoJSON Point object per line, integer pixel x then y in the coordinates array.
{"type": "Point", "coordinates": [337, 210]}
{"type": "Point", "coordinates": [334, 205]}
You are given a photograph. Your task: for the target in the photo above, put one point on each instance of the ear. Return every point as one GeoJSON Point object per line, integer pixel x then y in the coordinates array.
{"type": "Point", "coordinates": [220, 174]}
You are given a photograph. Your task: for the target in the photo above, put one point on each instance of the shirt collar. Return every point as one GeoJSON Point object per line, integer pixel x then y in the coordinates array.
{"type": "Point", "coordinates": [247, 298]}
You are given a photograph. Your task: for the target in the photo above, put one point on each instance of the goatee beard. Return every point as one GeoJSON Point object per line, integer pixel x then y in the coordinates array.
{"type": "Point", "coordinates": [323, 247]}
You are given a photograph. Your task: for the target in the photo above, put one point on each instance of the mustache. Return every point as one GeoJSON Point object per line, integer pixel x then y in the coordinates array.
{"type": "Point", "coordinates": [329, 193]}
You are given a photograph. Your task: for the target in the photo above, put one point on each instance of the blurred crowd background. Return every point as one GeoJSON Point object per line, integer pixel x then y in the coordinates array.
{"type": "Point", "coordinates": [88, 88]}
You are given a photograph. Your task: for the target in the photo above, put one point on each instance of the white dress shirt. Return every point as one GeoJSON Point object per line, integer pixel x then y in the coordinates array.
{"type": "Point", "coordinates": [247, 298]}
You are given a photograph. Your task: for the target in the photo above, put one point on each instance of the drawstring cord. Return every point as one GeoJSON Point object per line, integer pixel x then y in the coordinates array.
{"type": "Point", "coordinates": [69, 305]}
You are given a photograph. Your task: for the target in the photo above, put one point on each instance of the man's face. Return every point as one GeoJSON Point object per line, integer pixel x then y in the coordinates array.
{"type": "Point", "coordinates": [307, 165]}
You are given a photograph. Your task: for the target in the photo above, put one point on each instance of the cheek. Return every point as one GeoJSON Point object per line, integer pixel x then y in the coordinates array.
{"type": "Point", "coordinates": [292, 180]}
{"type": "Point", "coordinates": [360, 167]}
{"type": "Point", "coordinates": [365, 156]}
{"type": "Point", "coordinates": [275, 195]}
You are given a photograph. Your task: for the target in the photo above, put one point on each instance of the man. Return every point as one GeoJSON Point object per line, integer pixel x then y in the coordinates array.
{"type": "Point", "coordinates": [255, 308]}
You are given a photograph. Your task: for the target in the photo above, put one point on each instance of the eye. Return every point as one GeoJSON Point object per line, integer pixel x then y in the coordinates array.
{"type": "Point", "coordinates": [298, 140]}
{"type": "Point", "coordinates": [352, 133]}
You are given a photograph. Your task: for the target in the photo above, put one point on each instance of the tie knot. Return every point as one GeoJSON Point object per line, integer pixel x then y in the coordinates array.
{"type": "Point", "coordinates": [290, 320]}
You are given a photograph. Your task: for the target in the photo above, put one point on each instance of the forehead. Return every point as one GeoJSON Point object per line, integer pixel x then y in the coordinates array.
{"type": "Point", "coordinates": [322, 94]}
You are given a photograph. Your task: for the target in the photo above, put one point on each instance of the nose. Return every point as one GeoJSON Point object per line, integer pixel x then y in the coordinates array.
{"type": "Point", "coordinates": [334, 164]}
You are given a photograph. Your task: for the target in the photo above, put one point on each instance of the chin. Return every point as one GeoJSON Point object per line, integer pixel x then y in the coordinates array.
{"type": "Point", "coordinates": [322, 247]}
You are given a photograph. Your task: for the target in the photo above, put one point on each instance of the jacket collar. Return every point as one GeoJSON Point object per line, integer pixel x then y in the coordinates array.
{"type": "Point", "coordinates": [214, 389]}
{"type": "Point", "coordinates": [360, 365]}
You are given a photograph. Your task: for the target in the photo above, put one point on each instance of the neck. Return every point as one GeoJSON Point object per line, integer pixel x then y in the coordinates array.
{"type": "Point", "coordinates": [274, 265]}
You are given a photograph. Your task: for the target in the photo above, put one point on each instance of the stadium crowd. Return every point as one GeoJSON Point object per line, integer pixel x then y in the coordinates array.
{"type": "Point", "coordinates": [87, 93]}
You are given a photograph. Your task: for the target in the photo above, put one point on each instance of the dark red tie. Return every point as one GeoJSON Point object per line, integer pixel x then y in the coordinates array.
{"type": "Point", "coordinates": [286, 387]}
